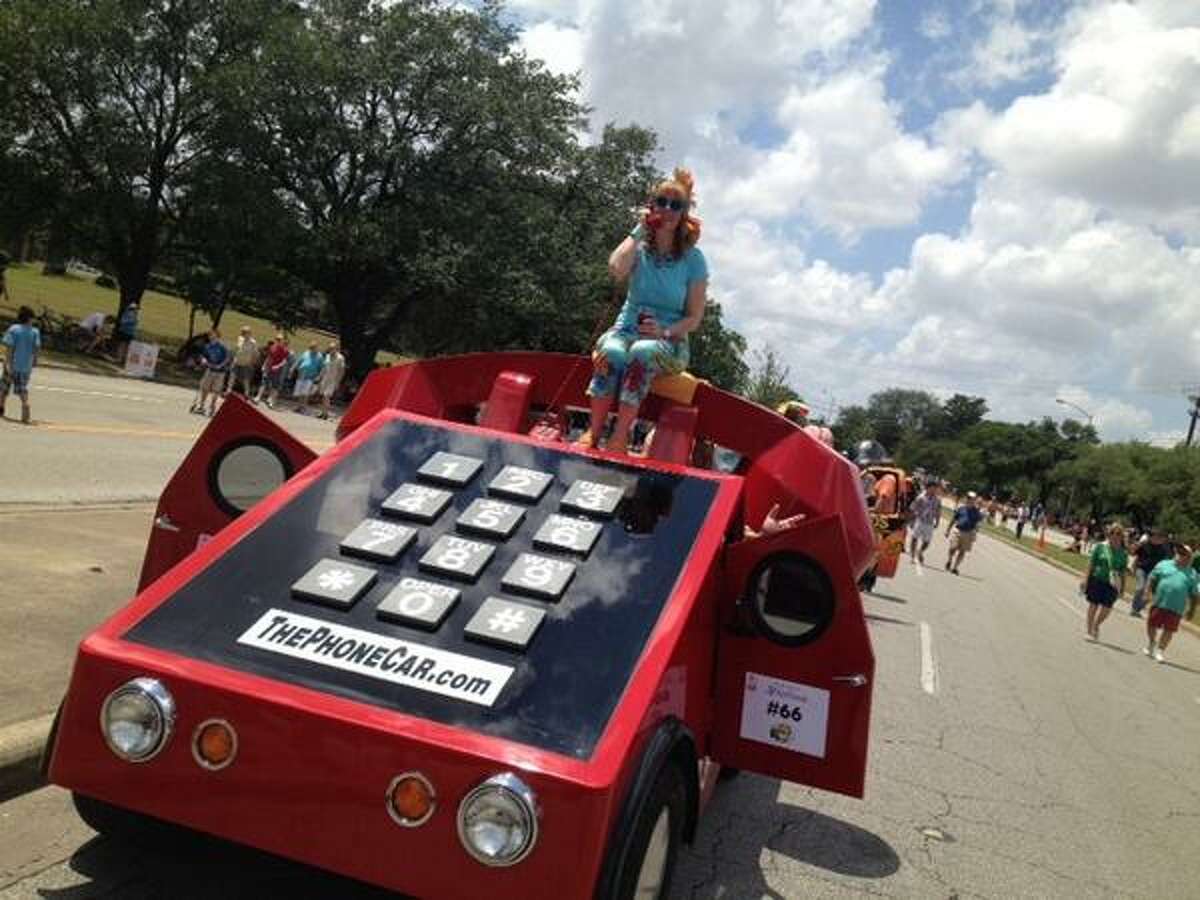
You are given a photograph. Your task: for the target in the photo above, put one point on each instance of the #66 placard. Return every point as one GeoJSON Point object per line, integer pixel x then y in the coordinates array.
{"type": "Point", "coordinates": [785, 714]}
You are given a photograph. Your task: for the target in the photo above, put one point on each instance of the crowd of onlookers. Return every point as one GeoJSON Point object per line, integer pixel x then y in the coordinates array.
{"type": "Point", "coordinates": [311, 378]}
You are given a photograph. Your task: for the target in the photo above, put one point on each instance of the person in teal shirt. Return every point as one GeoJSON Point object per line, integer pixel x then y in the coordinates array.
{"type": "Point", "coordinates": [668, 279]}
{"type": "Point", "coordinates": [1105, 579]}
{"type": "Point", "coordinates": [21, 344]}
{"type": "Point", "coordinates": [308, 370]}
{"type": "Point", "coordinates": [1174, 584]}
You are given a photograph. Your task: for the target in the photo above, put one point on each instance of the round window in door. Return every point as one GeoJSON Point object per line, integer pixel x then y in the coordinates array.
{"type": "Point", "coordinates": [244, 472]}
{"type": "Point", "coordinates": [791, 599]}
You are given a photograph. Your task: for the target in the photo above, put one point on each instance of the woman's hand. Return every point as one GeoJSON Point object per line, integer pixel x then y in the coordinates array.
{"type": "Point", "coordinates": [649, 327]}
{"type": "Point", "coordinates": [772, 524]}
{"type": "Point", "coordinates": [599, 363]}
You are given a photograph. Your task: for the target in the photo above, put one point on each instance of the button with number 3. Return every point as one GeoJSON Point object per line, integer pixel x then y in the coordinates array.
{"type": "Point", "coordinates": [592, 498]}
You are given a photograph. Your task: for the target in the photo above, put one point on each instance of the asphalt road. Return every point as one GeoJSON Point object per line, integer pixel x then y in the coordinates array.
{"type": "Point", "coordinates": [98, 439]}
{"type": "Point", "coordinates": [1010, 758]}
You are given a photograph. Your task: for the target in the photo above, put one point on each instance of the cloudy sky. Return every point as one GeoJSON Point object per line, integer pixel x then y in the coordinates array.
{"type": "Point", "coordinates": [998, 197]}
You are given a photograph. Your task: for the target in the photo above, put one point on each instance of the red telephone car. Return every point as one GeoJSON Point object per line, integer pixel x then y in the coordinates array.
{"type": "Point", "coordinates": [459, 660]}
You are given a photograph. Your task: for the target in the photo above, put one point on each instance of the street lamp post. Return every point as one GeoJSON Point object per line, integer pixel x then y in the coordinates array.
{"type": "Point", "coordinates": [1062, 402]}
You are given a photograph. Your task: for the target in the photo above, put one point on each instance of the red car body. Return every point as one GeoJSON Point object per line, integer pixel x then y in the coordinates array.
{"type": "Point", "coordinates": [313, 765]}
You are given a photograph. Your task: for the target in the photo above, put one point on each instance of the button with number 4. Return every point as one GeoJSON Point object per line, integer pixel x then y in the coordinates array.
{"type": "Point", "coordinates": [457, 557]}
{"type": "Point", "coordinates": [415, 601]}
{"type": "Point", "coordinates": [592, 497]}
{"type": "Point", "coordinates": [574, 535]}
{"type": "Point", "coordinates": [520, 484]}
{"type": "Point", "coordinates": [450, 468]}
{"type": "Point", "coordinates": [505, 623]}
{"type": "Point", "coordinates": [417, 502]}
{"type": "Point", "coordinates": [540, 576]}
{"type": "Point", "coordinates": [490, 518]}
{"type": "Point", "coordinates": [376, 539]}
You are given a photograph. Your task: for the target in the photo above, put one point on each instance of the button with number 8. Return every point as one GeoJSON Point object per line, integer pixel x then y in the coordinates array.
{"type": "Point", "coordinates": [457, 557]}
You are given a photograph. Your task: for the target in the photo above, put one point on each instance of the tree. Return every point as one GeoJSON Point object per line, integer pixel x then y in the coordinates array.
{"type": "Point", "coordinates": [718, 351]}
{"type": "Point", "coordinates": [897, 412]}
{"type": "Point", "coordinates": [853, 424]}
{"type": "Point", "coordinates": [119, 99]}
{"type": "Point", "coordinates": [408, 139]}
{"type": "Point", "coordinates": [768, 383]}
{"type": "Point", "coordinates": [959, 413]}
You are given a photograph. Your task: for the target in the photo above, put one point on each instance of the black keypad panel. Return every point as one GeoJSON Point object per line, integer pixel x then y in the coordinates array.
{"type": "Point", "coordinates": [568, 534]}
{"type": "Point", "coordinates": [378, 540]}
{"type": "Point", "coordinates": [491, 518]}
{"type": "Point", "coordinates": [539, 576]}
{"type": "Point", "coordinates": [404, 568]}
{"type": "Point", "coordinates": [593, 498]}
{"type": "Point", "coordinates": [334, 582]}
{"type": "Point", "coordinates": [417, 502]}
{"type": "Point", "coordinates": [518, 483]}
{"type": "Point", "coordinates": [450, 468]}
{"type": "Point", "coordinates": [416, 601]}
{"type": "Point", "coordinates": [505, 622]}
{"type": "Point", "coordinates": [456, 557]}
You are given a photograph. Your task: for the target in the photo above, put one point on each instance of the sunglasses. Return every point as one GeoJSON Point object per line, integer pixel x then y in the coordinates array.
{"type": "Point", "coordinates": [670, 203]}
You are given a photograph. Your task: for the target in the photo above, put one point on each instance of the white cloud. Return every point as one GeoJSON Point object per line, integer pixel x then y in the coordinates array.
{"type": "Point", "coordinates": [559, 46]}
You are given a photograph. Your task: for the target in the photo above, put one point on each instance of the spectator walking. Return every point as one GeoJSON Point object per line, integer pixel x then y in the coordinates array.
{"type": "Point", "coordinates": [21, 343]}
{"type": "Point", "coordinates": [126, 330]}
{"type": "Point", "coordinates": [276, 368]}
{"type": "Point", "coordinates": [1173, 585]}
{"type": "Point", "coordinates": [925, 512]}
{"type": "Point", "coordinates": [332, 374]}
{"type": "Point", "coordinates": [308, 369]}
{"type": "Point", "coordinates": [1149, 552]}
{"type": "Point", "coordinates": [1104, 580]}
{"type": "Point", "coordinates": [245, 361]}
{"type": "Point", "coordinates": [216, 360]}
{"type": "Point", "coordinates": [1022, 518]}
{"type": "Point", "coordinates": [964, 525]}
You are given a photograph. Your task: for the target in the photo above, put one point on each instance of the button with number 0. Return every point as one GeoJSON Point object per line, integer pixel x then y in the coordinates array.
{"type": "Point", "coordinates": [415, 601]}
{"type": "Point", "coordinates": [569, 533]}
{"type": "Point", "coordinates": [540, 576]}
{"type": "Point", "coordinates": [450, 468]}
{"type": "Point", "coordinates": [417, 502]}
{"type": "Point", "coordinates": [518, 483]}
{"type": "Point", "coordinates": [505, 623]}
{"type": "Point", "coordinates": [592, 497]}
{"type": "Point", "coordinates": [457, 557]}
{"type": "Point", "coordinates": [376, 539]}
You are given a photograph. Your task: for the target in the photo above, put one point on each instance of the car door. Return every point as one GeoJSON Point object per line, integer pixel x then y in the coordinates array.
{"type": "Point", "coordinates": [238, 459]}
{"type": "Point", "coordinates": [795, 666]}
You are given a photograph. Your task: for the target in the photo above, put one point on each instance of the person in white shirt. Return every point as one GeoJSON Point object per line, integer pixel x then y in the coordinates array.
{"type": "Point", "coordinates": [331, 377]}
{"type": "Point", "coordinates": [92, 327]}
{"type": "Point", "coordinates": [245, 361]}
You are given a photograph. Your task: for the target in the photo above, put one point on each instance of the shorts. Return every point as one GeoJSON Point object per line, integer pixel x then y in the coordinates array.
{"type": "Point", "coordinates": [1100, 592]}
{"type": "Point", "coordinates": [922, 532]}
{"type": "Point", "coordinates": [303, 388]}
{"type": "Point", "coordinates": [212, 381]}
{"type": "Point", "coordinates": [1164, 619]}
{"type": "Point", "coordinates": [962, 540]}
{"type": "Point", "coordinates": [17, 382]}
{"type": "Point", "coordinates": [243, 374]}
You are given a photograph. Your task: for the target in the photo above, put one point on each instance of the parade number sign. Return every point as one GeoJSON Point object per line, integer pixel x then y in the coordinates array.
{"type": "Point", "coordinates": [785, 714]}
{"type": "Point", "coordinates": [141, 359]}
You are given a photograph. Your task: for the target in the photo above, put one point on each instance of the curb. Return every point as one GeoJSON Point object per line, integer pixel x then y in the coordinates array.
{"type": "Point", "coordinates": [21, 747]}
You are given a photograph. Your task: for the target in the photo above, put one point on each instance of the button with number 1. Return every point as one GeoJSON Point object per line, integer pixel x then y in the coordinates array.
{"type": "Point", "coordinates": [450, 468]}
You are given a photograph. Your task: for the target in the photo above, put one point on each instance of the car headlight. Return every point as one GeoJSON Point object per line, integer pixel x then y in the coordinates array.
{"type": "Point", "coordinates": [497, 821]}
{"type": "Point", "coordinates": [137, 719]}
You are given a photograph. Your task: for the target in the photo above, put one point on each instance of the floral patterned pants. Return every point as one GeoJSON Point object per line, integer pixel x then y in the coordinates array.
{"type": "Point", "coordinates": [633, 364]}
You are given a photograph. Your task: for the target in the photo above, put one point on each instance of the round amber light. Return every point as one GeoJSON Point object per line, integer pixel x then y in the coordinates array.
{"type": "Point", "coordinates": [215, 744]}
{"type": "Point", "coordinates": [411, 799]}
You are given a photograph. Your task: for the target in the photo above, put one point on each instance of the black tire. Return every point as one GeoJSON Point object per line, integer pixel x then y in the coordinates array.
{"type": "Point", "coordinates": [728, 773]}
{"type": "Point", "coordinates": [867, 582]}
{"type": "Point", "coordinates": [126, 825]}
{"type": "Point", "coordinates": [669, 793]}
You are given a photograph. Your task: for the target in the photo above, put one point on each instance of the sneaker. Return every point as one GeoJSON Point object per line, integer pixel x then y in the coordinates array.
{"type": "Point", "coordinates": [947, 565]}
{"type": "Point", "coordinates": [955, 570]}
{"type": "Point", "coordinates": [1148, 649]}
{"type": "Point", "coordinates": [1158, 655]}
{"type": "Point", "coordinates": [921, 558]}
{"type": "Point", "coordinates": [1136, 613]}
{"type": "Point", "coordinates": [1090, 637]}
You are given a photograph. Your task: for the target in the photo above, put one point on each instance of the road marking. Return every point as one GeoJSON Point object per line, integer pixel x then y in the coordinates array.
{"type": "Point", "coordinates": [129, 432]}
{"type": "Point", "coordinates": [140, 397]}
{"type": "Point", "coordinates": [928, 670]}
{"type": "Point", "coordinates": [1069, 605]}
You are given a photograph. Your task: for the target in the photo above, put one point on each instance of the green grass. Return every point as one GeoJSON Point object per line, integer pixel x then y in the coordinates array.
{"type": "Point", "coordinates": [163, 319]}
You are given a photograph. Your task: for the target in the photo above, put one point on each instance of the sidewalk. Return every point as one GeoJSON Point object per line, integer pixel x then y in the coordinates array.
{"type": "Point", "coordinates": [57, 588]}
